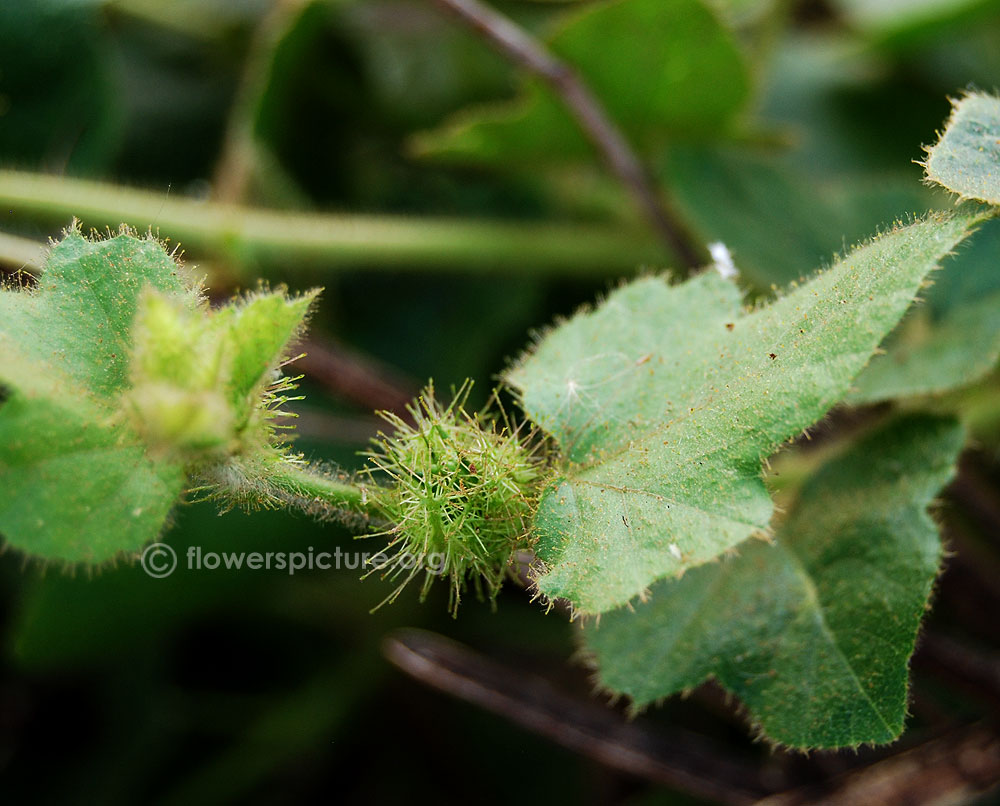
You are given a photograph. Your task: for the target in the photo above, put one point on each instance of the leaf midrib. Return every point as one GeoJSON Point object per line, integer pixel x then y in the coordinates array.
{"type": "Point", "coordinates": [813, 599]}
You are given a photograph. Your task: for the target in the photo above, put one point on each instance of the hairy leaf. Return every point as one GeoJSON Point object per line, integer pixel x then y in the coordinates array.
{"type": "Point", "coordinates": [117, 383]}
{"type": "Point", "coordinates": [949, 341]}
{"type": "Point", "coordinates": [966, 160]}
{"type": "Point", "coordinates": [666, 400]}
{"type": "Point", "coordinates": [812, 632]}
{"type": "Point", "coordinates": [955, 340]}
{"type": "Point", "coordinates": [77, 483]}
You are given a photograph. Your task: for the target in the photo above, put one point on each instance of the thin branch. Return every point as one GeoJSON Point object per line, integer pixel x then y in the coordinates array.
{"type": "Point", "coordinates": [245, 234]}
{"type": "Point", "coordinates": [354, 376]}
{"type": "Point", "coordinates": [954, 768]}
{"type": "Point", "coordinates": [680, 760]}
{"type": "Point", "coordinates": [522, 49]}
{"type": "Point", "coordinates": [236, 163]}
{"type": "Point", "coordinates": [308, 485]}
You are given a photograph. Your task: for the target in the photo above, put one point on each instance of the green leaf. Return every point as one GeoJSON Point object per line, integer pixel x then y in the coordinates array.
{"type": "Point", "coordinates": [966, 160]}
{"type": "Point", "coordinates": [949, 341]}
{"type": "Point", "coordinates": [927, 357]}
{"type": "Point", "coordinates": [666, 400]}
{"type": "Point", "coordinates": [77, 483]}
{"type": "Point", "coordinates": [813, 632]}
{"type": "Point", "coordinates": [78, 119]}
{"type": "Point", "coordinates": [200, 377]}
{"type": "Point", "coordinates": [677, 49]}
{"type": "Point", "coordinates": [118, 384]}
{"type": "Point", "coordinates": [262, 328]}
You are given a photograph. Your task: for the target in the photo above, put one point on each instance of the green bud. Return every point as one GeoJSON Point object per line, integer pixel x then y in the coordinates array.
{"type": "Point", "coordinates": [205, 384]}
{"type": "Point", "coordinates": [182, 420]}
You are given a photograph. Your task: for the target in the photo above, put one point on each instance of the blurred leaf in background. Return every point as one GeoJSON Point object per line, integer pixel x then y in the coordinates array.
{"type": "Point", "coordinates": [58, 105]}
{"type": "Point", "coordinates": [694, 88]}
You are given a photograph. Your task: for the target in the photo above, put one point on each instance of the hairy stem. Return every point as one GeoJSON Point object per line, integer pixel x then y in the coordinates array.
{"type": "Point", "coordinates": [311, 487]}
{"type": "Point", "coordinates": [244, 233]}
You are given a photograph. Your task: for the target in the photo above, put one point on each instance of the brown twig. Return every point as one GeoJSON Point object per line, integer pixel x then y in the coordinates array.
{"type": "Point", "coordinates": [951, 769]}
{"type": "Point", "coordinates": [679, 760]}
{"type": "Point", "coordinates": [523, 50]}
{"type": "Point", "coordinates": [354, 376]}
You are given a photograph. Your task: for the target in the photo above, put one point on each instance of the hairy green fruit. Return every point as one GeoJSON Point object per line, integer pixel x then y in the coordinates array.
{"type": "Point", "coordinates": [463, 491]}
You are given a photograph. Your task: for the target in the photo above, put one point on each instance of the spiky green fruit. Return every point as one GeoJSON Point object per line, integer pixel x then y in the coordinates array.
{"type": "Point", "coordinates": [460, 496]}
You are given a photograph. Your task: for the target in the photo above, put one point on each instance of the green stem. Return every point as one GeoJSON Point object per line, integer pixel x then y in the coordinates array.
{"type": "Point", "coordinates": [21, 253]}
{"type": "Point", "coordinates": [247, 233]}
{"type": "Point", "coordinates": [313, 487]}
{"type": "Point", "coordinates": [241, 153]}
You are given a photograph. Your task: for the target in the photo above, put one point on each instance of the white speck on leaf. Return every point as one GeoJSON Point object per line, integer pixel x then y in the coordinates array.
{"type": "Point", "coordinates": [723, 259]}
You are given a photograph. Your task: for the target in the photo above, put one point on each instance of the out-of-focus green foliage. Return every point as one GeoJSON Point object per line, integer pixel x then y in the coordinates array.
{"type": "Point", "coordinates": [57, 102]}
{"type": "Point", "coordinates": [775, 222]}
{"type": "Point", "coordinates": [694, 88]}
